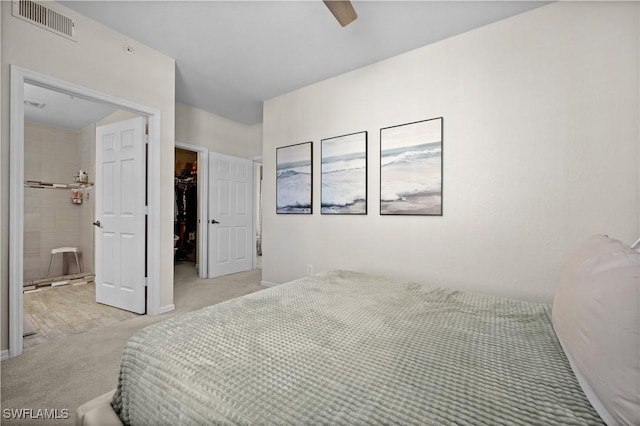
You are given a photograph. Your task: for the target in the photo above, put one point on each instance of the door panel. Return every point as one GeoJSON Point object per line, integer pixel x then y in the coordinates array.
{"type": "Point", "coordinates": [231, 209]}
{"type": "Point", "coordinates": [120, 211]}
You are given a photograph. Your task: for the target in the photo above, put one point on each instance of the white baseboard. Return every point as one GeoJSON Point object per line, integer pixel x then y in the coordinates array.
{"type": "Point", "coordinates": [167, 308]}
{"type": "Point", "coordinates": [268, 284]}
{"type": "Point", "coordinates": [4, 354]}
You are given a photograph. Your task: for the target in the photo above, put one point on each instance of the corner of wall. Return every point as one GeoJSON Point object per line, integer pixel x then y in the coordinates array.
{"type": "Point", "coordinates": [4, 260]}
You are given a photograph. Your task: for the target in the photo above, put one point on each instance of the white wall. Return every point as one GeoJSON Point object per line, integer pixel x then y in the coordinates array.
{"type": "Point", "coordinates": [96, 61]}
{"type": "Point", "coordinates": [540, 151]}
{"type": "Point", "coordinates": [198, 127]}
{"type": "Point", "coordinates": [255, 140]}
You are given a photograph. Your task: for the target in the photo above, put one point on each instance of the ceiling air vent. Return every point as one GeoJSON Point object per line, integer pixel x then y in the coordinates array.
{"type": "Point", "coordinates": [44, 17]}
{"type": "Point", "coordinates": [34, 104]}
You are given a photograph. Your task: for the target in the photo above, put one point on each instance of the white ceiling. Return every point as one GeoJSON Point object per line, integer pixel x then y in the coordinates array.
{"type": "Point", "coordinates": [233, 55]}
{"type": "Point", "coordinates": [62, 110]}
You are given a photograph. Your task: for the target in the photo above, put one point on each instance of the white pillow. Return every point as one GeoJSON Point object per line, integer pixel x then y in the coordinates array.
{"type": "Point", "coordinates": [596, 317]}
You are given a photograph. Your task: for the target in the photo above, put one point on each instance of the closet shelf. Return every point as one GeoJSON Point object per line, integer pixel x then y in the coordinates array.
{"type": "Point", "coordinates": [49, 185]}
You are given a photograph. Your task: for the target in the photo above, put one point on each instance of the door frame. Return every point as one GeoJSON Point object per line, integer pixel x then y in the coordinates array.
{"type": "Point", "coordinates": [19, 76]}
{"type": "Point", "coordinates": [203, 203]}
{"type": "Point", "coordinates": [256, 208]}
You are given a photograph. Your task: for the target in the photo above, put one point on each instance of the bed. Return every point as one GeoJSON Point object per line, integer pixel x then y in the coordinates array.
{"type": "Point", "coordinates": [347, 348]}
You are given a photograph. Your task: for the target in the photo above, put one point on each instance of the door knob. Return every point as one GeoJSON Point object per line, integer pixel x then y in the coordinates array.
{"type": "Point", "coordinates": [213, 221]}
{"type": "Point", "coordinates": [97, 223]}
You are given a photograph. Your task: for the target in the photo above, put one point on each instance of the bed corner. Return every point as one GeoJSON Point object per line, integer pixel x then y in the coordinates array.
{"type": "Point", "coordinates": [98, 412]}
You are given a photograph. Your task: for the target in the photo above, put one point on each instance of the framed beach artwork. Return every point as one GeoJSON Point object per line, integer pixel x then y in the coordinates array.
{"type": "Point", "coordinates": [294, 179]}
{"type": "Point", "coordinates": [411, 168]}
{"type": "Point", "coordinates": [344, 174]}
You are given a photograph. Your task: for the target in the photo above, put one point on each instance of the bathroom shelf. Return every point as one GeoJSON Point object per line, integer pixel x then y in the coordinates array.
{"type": "Point", "coordinates": [49, 185]}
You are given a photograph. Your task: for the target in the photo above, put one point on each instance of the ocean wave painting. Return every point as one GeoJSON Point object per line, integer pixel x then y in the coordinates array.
{"type": "Point", "coordinates": [294, 178]}
{"type": "Point", "coordinates": [344, 174]}
{"type": "Point", "coordinates": [411, 168]}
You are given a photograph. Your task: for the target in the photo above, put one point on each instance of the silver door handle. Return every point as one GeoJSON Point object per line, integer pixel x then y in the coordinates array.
{"type": "Point", "coordinates": [213, 221]}
{"type": "Point", "coordinates": [97, 223]}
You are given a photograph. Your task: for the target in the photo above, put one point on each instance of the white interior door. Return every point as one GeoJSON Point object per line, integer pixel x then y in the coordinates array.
{"type": "Point", "coordinates": [120, 215]}
{"type": "Point", "coordinates": [230, 214]}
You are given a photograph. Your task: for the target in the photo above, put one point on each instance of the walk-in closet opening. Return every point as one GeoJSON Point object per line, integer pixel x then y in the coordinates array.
{"type": "Point", "coordinates": [217, 213]}
{"type": "Point", "coordinates": [59, 259]}
{"type": "Point", "coordinates": [186, 231]}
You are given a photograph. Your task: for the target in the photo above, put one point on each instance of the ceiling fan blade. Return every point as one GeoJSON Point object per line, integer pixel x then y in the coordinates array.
{"type": "Point", "coordinates": [342, 10]}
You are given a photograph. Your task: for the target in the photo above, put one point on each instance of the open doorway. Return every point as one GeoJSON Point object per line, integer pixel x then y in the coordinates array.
{"type": "Point", "coordinates": [186, 235]}
{"type": "Point", "coordinates": [59, 297]}
{"type": "Point", "coordinates": [196, 193]}
{"type": "Point", "coordinates": [190, 212]}
{"type": "Point", "coordinates": [149, 284]}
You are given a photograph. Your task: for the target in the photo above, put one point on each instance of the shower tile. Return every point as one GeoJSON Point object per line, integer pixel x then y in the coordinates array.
{"type": "Point", "coordinates": [33, 139]}
{"type": "Point", "coordinates": [67, 221]}
{"type": "Point", "coordinates": [32, 240]}
{"type": "Point", "coordinates": [32, 219]}
{"type": "Point", "coordinates": [32, 168]}
{"type": "Point", "coordinates": [49, 198]}
{"type": "Point", "coordinates": [48, 173]}
{"type": "Point", "coordinates": [32, 197]}
{"type": "Point", "coordinates": [32, 272]}
{"type": "Point", "coordinates": [66, 170]}
{"type": "Point", "coordinates": [47, 222]}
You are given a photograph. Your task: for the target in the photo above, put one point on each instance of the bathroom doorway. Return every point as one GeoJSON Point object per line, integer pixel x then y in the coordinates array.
{"type": "Point", "coordinates": [59, 210]}
{"type": "Point", "coordinates": [150, 283]}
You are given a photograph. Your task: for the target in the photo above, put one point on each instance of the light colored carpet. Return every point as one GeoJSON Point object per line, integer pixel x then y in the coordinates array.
{"type": "Point", "coordinates": [67, 373]}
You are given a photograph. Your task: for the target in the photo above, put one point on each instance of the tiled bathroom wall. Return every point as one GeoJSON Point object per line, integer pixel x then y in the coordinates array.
{"type": "Point", "coordinates": [87, 212]}
{"type": "Point", "coordinates": [51, 220]}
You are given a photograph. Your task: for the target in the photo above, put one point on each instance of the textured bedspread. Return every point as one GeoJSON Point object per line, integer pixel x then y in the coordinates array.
{"type": "Point", "coordinates": [346, 348]}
